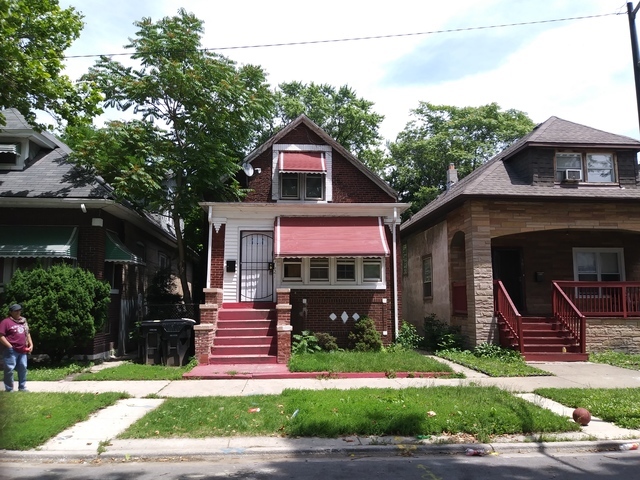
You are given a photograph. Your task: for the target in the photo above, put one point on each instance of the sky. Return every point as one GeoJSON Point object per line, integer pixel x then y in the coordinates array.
{"type": "Point", "coordinates": [579, 70]}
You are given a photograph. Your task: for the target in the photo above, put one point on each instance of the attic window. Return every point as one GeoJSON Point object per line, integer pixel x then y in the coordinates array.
{"type": "Point", "coordinates": [9, 153]}
{"type": "Point", "coordinates": [589, 167]}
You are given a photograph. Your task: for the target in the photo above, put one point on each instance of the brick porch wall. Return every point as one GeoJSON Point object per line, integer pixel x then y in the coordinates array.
{"type": "Point", "coordinates": [205, 332]}
{"type": "Point", "coordinates": [619, 334]}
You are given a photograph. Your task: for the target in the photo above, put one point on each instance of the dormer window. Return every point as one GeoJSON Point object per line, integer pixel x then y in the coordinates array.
{"type": "Point", "coordinates": [589, 167]}
{"type": "Point", "coordinates": [10, 153]}
{"type": "Point", "coordinates": [302, 173]}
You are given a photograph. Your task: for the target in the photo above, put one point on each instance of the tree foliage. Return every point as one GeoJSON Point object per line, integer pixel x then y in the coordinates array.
{"type": "Point", "coordinates": [442, 134]}
{"type": "Point", "coordinates": [65, 306]}
{"type": "Point", "coordinates": [346, 118]}
{"type": "Point", "coordinates": [33, 37]}
{"type": "Point", "coordinates": [198, 114]}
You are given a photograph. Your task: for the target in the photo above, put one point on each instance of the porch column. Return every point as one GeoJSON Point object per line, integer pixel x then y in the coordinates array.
{"type": "Point", "coordinates": [206, 330]}
{"type": "Point", "coordinates": [284, 328]}
{"type": "Point", "coordinates": [480, 274]}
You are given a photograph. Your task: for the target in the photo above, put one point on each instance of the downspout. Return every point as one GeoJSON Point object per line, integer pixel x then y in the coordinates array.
{"type": "Point", "coordinates": [209, 247]}
{"type": "Point", "coordinates": [395, 273]}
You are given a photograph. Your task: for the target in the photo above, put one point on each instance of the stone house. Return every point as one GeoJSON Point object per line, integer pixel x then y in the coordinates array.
{"type": "Point", "coordinates": [313, 246]}
{"type": "Point", "coordinates": [538, 249]}
{"type": "Point", "coordinates": [52, 212]}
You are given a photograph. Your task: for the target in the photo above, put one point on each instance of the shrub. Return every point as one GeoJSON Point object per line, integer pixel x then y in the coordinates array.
{"type": "Point", "coordinates": [440, 336]}
{"type": "Point", "coordinates": [489, 350]}
{"type": "Point", "coordinates": [364, 337]}
{"type": "Point", "coordinates": [408, 337]}
{"type": "Point", "coordinates": [305, 342]}
{"type": "Point", "coordinates": [327, 342]}
{"type": "Point", "coordinates": [64, 306]}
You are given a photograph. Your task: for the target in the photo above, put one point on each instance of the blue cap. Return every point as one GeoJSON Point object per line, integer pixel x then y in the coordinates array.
{"type": "Point", "coordinates": [15, 307]}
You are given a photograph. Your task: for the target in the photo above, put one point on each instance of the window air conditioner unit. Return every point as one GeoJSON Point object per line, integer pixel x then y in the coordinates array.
{"type": "Point", "coordinates": [573, 175]}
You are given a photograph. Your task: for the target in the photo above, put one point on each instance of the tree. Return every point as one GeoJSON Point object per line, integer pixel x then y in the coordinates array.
{"type": "Point", "coordinates": [65, 306]}
{"type": "Point", "coordinates": [443, 134]}
{"type": "Point", "coordinates": [339, 112]}
{"type": "Point", "coordinates": [199, 114]}
{"type": "Point", "coordinates": [33, 37]}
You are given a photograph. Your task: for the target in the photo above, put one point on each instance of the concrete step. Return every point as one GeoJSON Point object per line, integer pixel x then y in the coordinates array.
{"type": "Point", "coordinates": [246, 340]}
{"type": "Point", "coordinates": [228, 350]}
{"type": "Point", "coordinates": [241, 359]}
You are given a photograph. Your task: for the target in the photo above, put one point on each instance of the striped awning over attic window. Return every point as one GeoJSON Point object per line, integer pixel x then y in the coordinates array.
{"type": "Point", "coordinates": [302, 162]}
{"type": "Point", "coordinates": [8, 148]}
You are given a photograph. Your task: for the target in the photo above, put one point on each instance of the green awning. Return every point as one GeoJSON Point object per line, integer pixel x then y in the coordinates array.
{"type": "Point", "coordinates": [51, 242]}
{"type": "Point", "coordinates": [117, 252]}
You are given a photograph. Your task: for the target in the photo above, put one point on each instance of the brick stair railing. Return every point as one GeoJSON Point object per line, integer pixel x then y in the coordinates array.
{"type": "Point", "coordinates": [246, 333]}
{"type": "Point", "coordinates": [545, 339]}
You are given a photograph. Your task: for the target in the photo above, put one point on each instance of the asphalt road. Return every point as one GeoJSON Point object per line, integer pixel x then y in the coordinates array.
{"type": "Point", "coordinates": [538, 466]}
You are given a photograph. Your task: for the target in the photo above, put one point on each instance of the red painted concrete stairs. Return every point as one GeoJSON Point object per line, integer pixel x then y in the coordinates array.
{"type": "Point", "coordinates": [246, 334]}
{"type": "Point", "coordinates": [545, 339]}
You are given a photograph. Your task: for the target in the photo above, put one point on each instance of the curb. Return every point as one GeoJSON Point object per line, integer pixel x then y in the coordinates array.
{"type": "Point", "coordinates": [327, 449]}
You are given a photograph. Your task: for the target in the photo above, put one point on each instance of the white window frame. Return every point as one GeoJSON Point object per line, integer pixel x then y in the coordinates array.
{"type": "Point", "coordinates": [291, 261]}
{"type": "Point", "coordinates": [598, 251]}
{"type": "Point", "coordinates": [22, 152]}
{"type": "Point", "coordinates": [332, 282]}
{"type": "Point", "coordinates": [584, 167]}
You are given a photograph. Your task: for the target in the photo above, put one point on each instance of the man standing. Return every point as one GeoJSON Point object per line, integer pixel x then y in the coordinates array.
{"type": "Point", "coordinates": [16, 340]}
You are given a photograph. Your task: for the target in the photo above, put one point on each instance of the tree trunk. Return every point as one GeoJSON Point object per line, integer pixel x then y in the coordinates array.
{"type": "Point", "coordinates": [182, 258]}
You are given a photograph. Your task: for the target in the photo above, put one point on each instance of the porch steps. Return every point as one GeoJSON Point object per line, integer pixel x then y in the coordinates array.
{"type": "Point", "coordinates": [246, 334]}
{"type": "Point", "coordinates": [545, 339]}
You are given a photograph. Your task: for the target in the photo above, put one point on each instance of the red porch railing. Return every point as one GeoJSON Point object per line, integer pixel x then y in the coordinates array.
{"type": "Point", "coordinates": [507, 311]}
{"type": "Point", "coordinates": [565, 311]}
{"type": "Point", "coordinates": [459, 298]}
{"type": "Point", "coordinates": [603, 299]}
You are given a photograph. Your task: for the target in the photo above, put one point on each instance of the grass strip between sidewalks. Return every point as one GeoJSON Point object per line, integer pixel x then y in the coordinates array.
{"type": "Point", "coordinates": [617, 359]}
{"type": "Point", "coordinates": [30, 419]}
{"type": "Point", "coordinates": [389, 362]}
{"type": "Point", "coordinates": [137, 371]}
{"type": "Point", "coordinates": [478, 411]}
{"type": "Point", "coordinates": [494, 367]}
{"type": "Point", "coordinates": [620, 406]}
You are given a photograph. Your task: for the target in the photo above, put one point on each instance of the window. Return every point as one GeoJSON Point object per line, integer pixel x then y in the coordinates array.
{"type": "Point", "coordinates": [9, 153]}
{"type": "Point", "coordinates": [427, 282]}
{"type": "Point", "coordinates": [312, 185]}
{"type": "Point", "coordinates": [598, 265]}
{"type": "Point", "coordinates": [333, 272]}
{"type": "Point", "coordinates": [371, 270]}
{"type": "Point", "coordinates": [163, 261]}
{"type": "Point", "coordinates": [585, 167]}
{"type": "Point", "coordinates": [289, 186]}
{"type": "Point", "coordinates": [346, 270]}
{"type": "Point", "coordinates": [292, 269]}
{"type": "Point", "coordinates": [319, 269]}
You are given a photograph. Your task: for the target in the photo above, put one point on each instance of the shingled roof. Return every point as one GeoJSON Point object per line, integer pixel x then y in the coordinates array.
{"type": "Point", "coordinates": [497, 178]}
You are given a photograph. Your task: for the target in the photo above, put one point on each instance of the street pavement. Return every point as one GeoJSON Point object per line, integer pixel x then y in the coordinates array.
{"type": "Point", "coordinates": [96, 437]}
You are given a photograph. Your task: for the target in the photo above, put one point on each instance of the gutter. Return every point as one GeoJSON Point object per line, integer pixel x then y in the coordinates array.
{"type": "Point", "coordinates": [395, 273]}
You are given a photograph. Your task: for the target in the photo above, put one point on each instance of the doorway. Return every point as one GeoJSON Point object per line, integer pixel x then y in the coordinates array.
{"type": "Point", "coordinates": [508, 267]}
{"type": "Point", "coordinates": [256, 267]}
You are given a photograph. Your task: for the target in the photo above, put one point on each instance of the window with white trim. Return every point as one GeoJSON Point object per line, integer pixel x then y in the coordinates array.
{"type": "Point", "coordinates": [308, 186]}
{"type": "Point", "coordinates": [357, 272]}
{"type": "Point", "coordinates": [598, 264]}
{"type": "Point", "coordinates": [587, 167]}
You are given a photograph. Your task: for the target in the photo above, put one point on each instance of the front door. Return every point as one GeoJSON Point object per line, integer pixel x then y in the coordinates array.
{"type": "Point", "coordinates": [256, 267]}
{"type": "Point", "coordinates": [507, 267]}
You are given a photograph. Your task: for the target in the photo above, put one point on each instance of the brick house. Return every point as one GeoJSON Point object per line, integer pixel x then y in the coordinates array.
{"type": "Point", "coordinates": [313, 246]}
{"type": "Point", "coordinates": [538, 249]}
{"type": "Point", "coordinates": [51, 212]}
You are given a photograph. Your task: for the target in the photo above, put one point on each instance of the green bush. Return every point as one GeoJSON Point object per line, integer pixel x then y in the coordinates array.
{"type": "Point", "coordinates": [440, 336]}
{"type": "Point", "coordinates": [490, 350]}
{"type": "Point", "coordinates": [64, 306]}
{"type": "Point", "coordinates": [364, 337]}
{"type": "Point", "coordinates": [306, 342]}
{"type": "Point", "coordinates": [327, 342]}
{"type": "Point", "coordinates": [408, 337]}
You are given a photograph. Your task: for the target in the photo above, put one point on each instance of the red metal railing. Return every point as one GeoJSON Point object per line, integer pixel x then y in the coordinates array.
{"type": "Point", "coordinates": [459, 298]}
{"type": "Point", "coordinates": [604, 299]}
{"type": "Point", "coordinates": [507, 311]}
{"type": "Point", "coordinates": [565, 311]}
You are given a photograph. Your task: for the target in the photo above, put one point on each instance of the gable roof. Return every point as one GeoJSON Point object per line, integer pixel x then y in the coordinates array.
{"type": "Point", "coordinates": [50, 180]}
{"type": "Point", "coordinates": [497, 178]}
{"type": "Point", "coordinates": [306, 121]}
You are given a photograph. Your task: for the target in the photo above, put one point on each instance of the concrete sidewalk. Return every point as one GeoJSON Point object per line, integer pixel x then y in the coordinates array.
{"type": "Point", "coordinates": [96, 437]}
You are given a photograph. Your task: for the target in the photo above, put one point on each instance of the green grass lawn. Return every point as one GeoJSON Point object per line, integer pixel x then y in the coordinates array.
{"type": "Point", "coordinates": [30, 419]}
{"type": "Point", "coordinates": [47, 372]}
{"type": "Point", "coordinates": [479, 411]}
{"type": "Point", "coordinates": [137, 371]}
{"type": "Point", "coordinates": [617, 359]}
{"type": "Point", "coordinates": [616, 405]}
{"type": "Point", "coordinates": [389, 362]}
{"type": "Point", "coordinates": [494, 367]}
